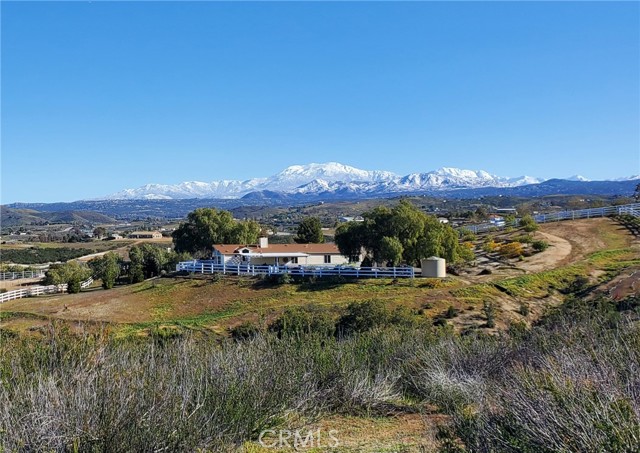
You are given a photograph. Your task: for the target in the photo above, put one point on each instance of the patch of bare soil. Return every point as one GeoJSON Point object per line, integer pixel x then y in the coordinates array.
{"type": "Point", "coordinates": [559, 249]}
{"type": "Point", "coordinates": [339, 433]}
{"type": "Point", "coordinates": [589, 235]}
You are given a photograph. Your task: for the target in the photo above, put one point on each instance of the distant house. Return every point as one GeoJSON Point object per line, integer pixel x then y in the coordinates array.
{"type": "Point", "coordinates": [114, 236]}
{"type": "Point", "coordinates": [145, 235]}
{"type": "Point", "coordinates": [264, 253]}
{"type": "Point", "coordinates": [496, 220]}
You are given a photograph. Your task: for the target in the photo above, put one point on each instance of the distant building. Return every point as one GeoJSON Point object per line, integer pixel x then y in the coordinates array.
{"type": "Point", "coordinates": [145, 235]}
{"type": "Point", "coordinates": [508, 211]}
{"type": "Point", "coordinates": [352, 219]}
{"type": "Point", "coordinates": [264, 253]}
{"type": "Point", "coordinates": [496, 220]}
{"type": "Point", "coordinates": [115, 236]}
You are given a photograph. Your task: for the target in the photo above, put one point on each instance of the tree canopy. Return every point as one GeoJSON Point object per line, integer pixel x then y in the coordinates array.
{"type": "Point", "coordinates": [403, 233]}
{"type": "Point", "coordinates": [208, 226]}
{"type": "Point", "coordinates": [72, 273]}
{"type": "Point", "coordinates": [309, 231]}
{"type": "Point", "coordinates": [106, 268]}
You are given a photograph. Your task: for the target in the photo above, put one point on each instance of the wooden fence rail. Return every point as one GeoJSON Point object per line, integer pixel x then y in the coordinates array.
{"type": "Point", "coordinates": [39, 291]}
{"type": "Point", "coordinates": [210, 267]}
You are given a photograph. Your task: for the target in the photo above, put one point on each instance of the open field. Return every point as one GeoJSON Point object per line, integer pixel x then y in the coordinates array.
{"type": "Point", "coordinates": [576, 249]}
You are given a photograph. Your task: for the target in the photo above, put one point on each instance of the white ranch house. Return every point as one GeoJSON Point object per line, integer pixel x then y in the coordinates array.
{"type": "Point", "coordinates": [264, 253]}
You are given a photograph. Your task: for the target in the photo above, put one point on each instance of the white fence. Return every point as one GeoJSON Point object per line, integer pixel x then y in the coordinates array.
{"type": "Point", "coordinates": [210, 267]}
{"type": "Point", "coordinates": [633, 209]}
{"type": "Point", "coordinates": [21, 275]}
{"type": "Point", "coordinates": [39, 291]}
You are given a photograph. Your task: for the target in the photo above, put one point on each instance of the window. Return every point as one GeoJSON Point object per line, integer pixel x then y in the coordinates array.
{"type": "Point", "coordinates": [294, 260]}
{"type": "Point", "coordinates": [327, 259]}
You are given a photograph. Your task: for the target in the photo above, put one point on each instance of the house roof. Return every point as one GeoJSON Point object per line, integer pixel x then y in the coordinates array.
{"type": "Point", "coordinates": [318, 249]}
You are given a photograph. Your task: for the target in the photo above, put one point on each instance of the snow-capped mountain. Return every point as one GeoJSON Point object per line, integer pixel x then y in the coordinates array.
{"type": "Point", "coordinates": [577, 178]}
{"type": "Point", "coordinates": [329, 177]}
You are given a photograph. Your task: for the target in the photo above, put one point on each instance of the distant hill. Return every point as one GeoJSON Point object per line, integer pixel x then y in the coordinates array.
{"type": "Point", "coordinates": [18, 217]}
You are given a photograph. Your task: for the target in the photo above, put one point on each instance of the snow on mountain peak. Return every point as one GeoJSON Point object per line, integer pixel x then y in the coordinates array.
{"type": "Point", "coordinates": [317, 178]}
{"type": "Point", "coordinates": [577, 178]}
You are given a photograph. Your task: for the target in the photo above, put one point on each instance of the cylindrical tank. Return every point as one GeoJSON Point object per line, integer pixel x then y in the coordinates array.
{"type": "Point", "coordinates": [434, 267]}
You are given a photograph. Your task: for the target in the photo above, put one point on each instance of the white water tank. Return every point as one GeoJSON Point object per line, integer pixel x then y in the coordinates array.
{"type": "Point", "coordinates": [434, 267]}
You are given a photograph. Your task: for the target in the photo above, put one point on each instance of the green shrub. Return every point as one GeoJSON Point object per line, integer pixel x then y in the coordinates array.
{"type": "Point", "coordinates": [451, 312]}
{"type": "Point", "coordinates": [363, 316]}
{"type": "Point", "coordinates": [245, 331]}
{"type": "Point", "coordinates": [540, 246]}
{"type": "Point", "coordinates": [489, 310]}
{"type": "Point", "coordinates": [307, 320]}
{"type": "Point", "coordinates": [528, 223]}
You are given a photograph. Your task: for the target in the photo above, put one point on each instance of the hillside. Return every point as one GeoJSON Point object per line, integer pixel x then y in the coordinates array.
{"type": "Point", "coordinates": [12, 217]}
{"type": "Point", "coordinates": [588, 249]}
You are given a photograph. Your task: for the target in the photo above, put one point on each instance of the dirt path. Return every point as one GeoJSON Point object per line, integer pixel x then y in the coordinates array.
{"type": "Point", "coordinates": [559, 249]}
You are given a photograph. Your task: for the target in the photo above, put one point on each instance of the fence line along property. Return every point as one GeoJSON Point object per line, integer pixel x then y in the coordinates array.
{"type": "Point", "coordinates": [39, 291]}
{"type": "Point", "coordinates": [606, 211]}
{"type": "Point", "coordinates": [210, 267]}
{"type": "Point", "coordinates": [21, 275]}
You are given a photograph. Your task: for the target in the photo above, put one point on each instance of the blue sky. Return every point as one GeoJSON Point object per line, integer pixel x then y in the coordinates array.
{"type": "Point", "coordinates": [98, 97]}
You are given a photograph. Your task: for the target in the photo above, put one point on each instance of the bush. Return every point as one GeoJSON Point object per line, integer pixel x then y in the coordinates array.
{"type": "Point", "coordinates": [540, 246]}
{"type": "Point", "coordinates": [466, 235]}
{"type": "Point", "coordinates": [489, 310]}
{"type": "Point", "coordinates": [490, 246]}
{"type": "Point", "coordinates": [528, 223]}
{"type": "Point", "coordinates": [363, 316]}
{"type": "Point", "coordinates": [245, 331]}
{"type": "Point", "coordinates": [511, 250]}
{"type": "Point", "coordinates": [307, 320]}
{"type": "Point", "coordinates": [451, 312]}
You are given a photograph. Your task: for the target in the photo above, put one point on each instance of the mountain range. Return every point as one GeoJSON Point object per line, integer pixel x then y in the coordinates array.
{"type": "Point", "coordinates": [333, 180]}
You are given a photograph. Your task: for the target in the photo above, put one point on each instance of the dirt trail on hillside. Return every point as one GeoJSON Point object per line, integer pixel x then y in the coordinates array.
{"type": "Point", "coordinates": [559, 249]}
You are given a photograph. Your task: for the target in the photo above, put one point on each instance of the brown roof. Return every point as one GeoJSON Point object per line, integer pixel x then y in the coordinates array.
{"type": "Point", "coordinates": [321, 249]}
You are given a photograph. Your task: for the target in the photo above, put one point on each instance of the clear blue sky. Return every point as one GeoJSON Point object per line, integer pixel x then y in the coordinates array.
{"type": "Point", "coordinates": [98, 97]}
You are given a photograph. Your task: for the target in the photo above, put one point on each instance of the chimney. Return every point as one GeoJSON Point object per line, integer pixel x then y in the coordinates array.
{"type": "Point", "coordinates": [264, 243]}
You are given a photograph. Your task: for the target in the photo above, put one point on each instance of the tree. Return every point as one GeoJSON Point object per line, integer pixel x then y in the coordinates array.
{"type": "Point", "coordinates": [99, 232]}
{"type": "Point", "coordinates": [72, 273]}
{"type": "Point", "coordinates": [391, 250]}
{"type": "Point", "coordinates": [405, 228]}
{"type": "Point", "coordinates": [309, 231]}
{"type": "Point", "coordinates": [350, 239]}
{"type": "Point", "coordinates": [636, 194]}
{"type": "Point", "coordinates": [106, 268]}
{"type": "Point", "coordinates": [207, 226]}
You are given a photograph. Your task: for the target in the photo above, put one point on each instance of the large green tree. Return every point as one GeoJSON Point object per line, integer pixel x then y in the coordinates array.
{"type": "Point", "coordinates": [149, 260]}
{"type": "Point", "coordinates": [403, 233]}
{"type": "Point", "coordinates": [72, 273]}
{"type": "Point", "coordinates": [208, 226]}
{"type": "Point", "coordinates": [106, 268]}
{"type": "Point", "coordinates": [309, 231]}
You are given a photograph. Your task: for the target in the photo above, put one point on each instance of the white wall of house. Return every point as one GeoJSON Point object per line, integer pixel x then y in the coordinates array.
{"type": "Point", "coordinates": [311, 260]}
